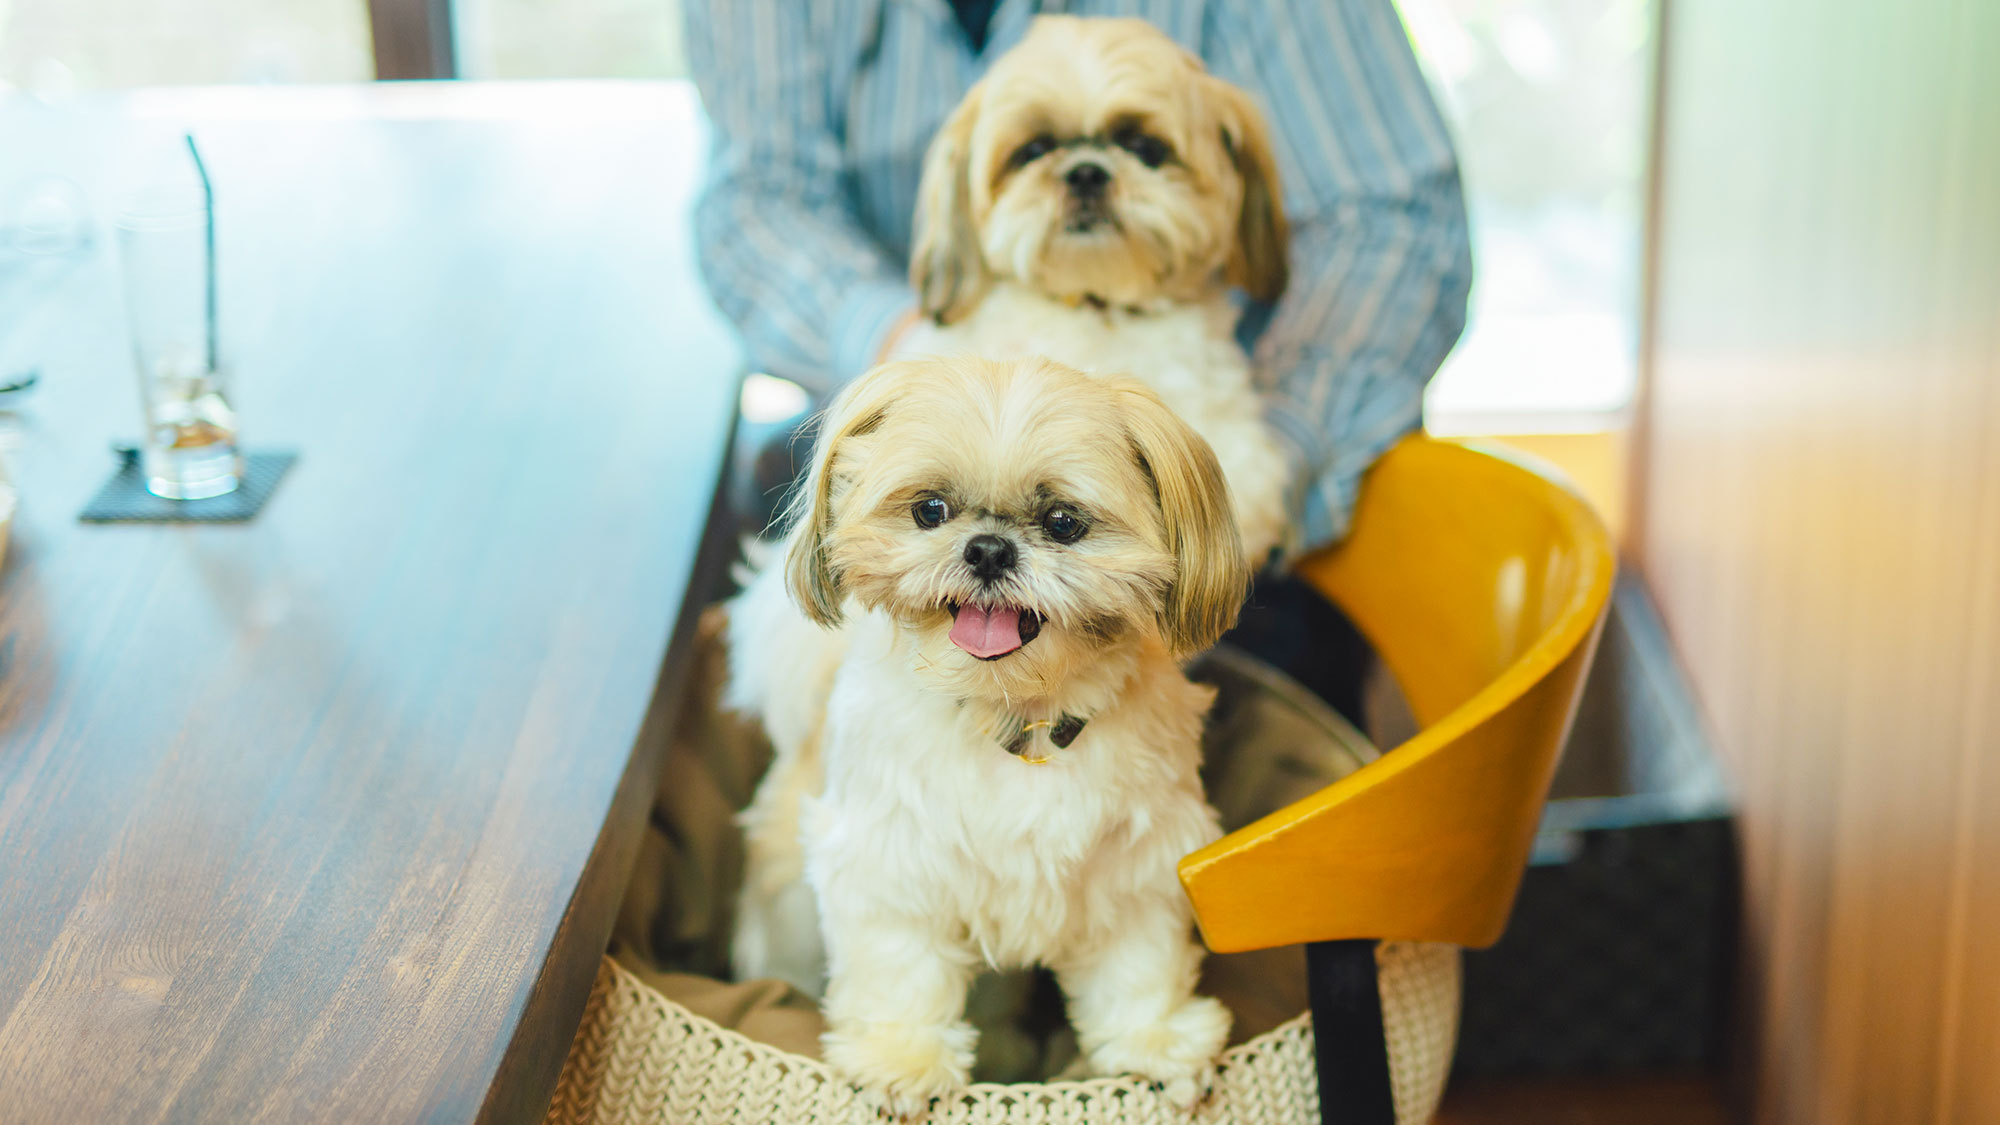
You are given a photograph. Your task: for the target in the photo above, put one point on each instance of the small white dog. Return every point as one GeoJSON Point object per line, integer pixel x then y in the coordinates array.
{"type": "Point", "coordinates": [987, 753]}
{"type": "Point", "coordinates": [1091, 200]}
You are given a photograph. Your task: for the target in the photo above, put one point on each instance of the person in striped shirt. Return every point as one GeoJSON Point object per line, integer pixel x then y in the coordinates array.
{"type": "Point", "coordinates": [821, 114]}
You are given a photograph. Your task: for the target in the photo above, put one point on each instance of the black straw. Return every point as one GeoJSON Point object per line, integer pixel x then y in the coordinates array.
{"type": "Point", "coordinates": [208, 247]}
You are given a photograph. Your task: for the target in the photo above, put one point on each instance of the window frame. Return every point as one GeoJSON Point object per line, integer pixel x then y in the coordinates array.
{"type": "Point", "coordinates": [412, 39]}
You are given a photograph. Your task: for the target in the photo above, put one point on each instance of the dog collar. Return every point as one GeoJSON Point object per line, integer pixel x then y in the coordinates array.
{"type": "Point", "coordinates": [1099, 304]}
{"type": "Point", "coordinates": [1062, 732]}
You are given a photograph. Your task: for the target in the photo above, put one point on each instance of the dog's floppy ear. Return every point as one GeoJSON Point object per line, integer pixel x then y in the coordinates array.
{"type": "Point", "coordinates": [946, 267]}
{"type": "Point", "coordinates": [1211, 574]}
{"type": "Point", "coordinates": [856, 410]}
{"type": "Point", "coordinates": [1258, 263]}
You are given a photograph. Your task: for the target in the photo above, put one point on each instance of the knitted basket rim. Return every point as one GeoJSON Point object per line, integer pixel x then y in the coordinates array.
{"type": "Point", "coordinates": [641, 1057]}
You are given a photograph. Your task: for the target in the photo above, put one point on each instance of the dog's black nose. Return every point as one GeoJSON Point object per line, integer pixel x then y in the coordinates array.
{"type": "Point", "coordinates": [1087, 179]}
{"type": "Point", "coordinates": [989, 556]}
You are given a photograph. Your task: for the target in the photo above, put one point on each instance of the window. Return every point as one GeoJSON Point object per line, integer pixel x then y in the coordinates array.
{"type": "Point", "coordinates": [1549, 104]}
{"type": "Point", "coordinates": [53, 47]}
{"type": "Point", "coordinates": [546, 39]}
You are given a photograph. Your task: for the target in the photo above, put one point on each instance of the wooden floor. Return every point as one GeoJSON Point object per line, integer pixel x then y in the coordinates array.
{"type": "Point", "coordinates": [1667, 1100]}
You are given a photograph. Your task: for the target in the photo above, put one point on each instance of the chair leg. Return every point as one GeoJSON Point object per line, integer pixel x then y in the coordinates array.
{"type": "Point", "coordinates": [1352, 1053]}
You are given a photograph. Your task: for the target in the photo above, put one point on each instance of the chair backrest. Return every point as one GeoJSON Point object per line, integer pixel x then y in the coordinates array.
{"type": "Point", "coordinates": [1482, 584]}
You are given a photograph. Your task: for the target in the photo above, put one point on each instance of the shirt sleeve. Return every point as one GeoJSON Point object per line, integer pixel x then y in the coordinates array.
{"type": "Point", "coordinates": [1381, 264]}
{"type": "Point", "coordinates": [811, 292]}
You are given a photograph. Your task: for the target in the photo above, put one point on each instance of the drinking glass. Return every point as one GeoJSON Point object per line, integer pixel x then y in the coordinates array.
{"type": "Point", "coordinates": [190, 449]}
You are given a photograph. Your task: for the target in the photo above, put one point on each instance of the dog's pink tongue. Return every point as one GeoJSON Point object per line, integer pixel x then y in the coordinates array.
{"type": "Point", "coordinates": [987, 633]}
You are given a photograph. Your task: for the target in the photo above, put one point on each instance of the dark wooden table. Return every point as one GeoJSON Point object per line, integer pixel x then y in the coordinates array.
{"type": "Point", "coordinates": [325, 817]}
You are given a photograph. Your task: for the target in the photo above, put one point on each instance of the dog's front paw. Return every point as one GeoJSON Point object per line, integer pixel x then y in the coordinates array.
{"type": "Point", "coordinates": [903, 1065]}
{"type": "Point", "coordinates": [1177, 1052]}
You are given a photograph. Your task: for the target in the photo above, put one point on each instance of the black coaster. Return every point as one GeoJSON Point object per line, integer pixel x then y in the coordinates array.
{"type": "Point", "coordinates": [124, 498]}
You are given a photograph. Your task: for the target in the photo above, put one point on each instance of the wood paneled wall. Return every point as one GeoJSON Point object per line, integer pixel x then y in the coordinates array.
{"type": "Point", "coordinates": [1819, 514]}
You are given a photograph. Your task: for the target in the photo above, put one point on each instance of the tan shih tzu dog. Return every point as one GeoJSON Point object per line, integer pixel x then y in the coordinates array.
{"type": "Point", "coordinates": [1092, 200]}
{"type": "Point", "coordinates": [987, 753]}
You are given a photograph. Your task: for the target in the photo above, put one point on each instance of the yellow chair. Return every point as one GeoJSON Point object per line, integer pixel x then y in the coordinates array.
{"type": "Point", "coordinates": [1482, 584]}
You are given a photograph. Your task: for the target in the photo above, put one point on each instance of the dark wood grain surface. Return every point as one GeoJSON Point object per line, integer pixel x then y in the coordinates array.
{"type": "Point", "coordinates": [325, 817]}
{"type": "Point", "coordinates": [1629, 1099]}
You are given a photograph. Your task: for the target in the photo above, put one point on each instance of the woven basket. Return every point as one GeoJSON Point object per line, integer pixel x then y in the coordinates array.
{"type": "Point", "coordinates": [641, 1059]}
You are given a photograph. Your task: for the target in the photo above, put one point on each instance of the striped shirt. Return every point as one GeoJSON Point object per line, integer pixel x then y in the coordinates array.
{"type": "Point", "coordinates": [822, 111]}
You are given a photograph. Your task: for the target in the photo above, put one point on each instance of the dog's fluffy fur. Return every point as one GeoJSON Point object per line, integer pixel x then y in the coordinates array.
{"type": "Point", "coordinates": [1176, 197]}
{"type": "Point", "coordinates": [927, 848]}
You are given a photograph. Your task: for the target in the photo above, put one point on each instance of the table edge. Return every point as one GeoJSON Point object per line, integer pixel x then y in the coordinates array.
{"type": "Point", "coordinates": [524, 1083]}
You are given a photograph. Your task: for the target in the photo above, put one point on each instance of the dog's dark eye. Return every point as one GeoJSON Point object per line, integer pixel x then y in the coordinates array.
{"type": "Point", "coordinates": [1151, 150]}
{"type": "Point", "coordinates": [1063, 525]}
{"type": "Point", "coordinates": [1032, 151]}
{"type": "Point", "coordinates": [930, 511]}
